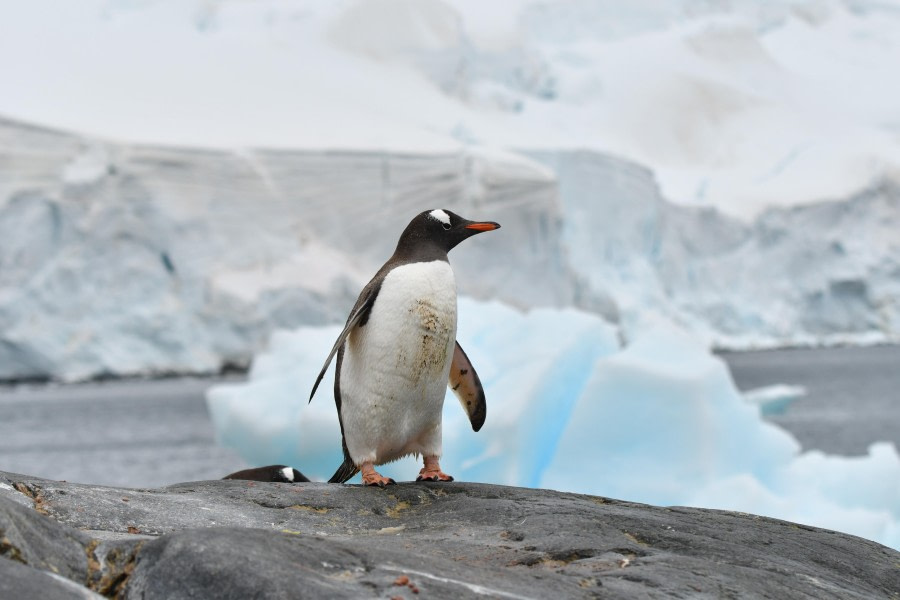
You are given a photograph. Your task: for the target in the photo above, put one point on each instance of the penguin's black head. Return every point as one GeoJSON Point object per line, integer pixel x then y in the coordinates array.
{"type": "Point", "coordinates": [439, 229]}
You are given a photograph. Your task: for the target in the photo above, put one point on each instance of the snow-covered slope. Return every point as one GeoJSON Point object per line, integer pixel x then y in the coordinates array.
{"type": "Point", "coordinates": [739, 105]}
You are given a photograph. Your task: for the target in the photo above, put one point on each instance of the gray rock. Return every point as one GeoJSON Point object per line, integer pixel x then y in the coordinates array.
{"type": "Point", "coordinates": [21, 581]}
{"type": "Point", "coordinates": [239, 539]}
{"type": "Point", "coordinates": [29, 539]}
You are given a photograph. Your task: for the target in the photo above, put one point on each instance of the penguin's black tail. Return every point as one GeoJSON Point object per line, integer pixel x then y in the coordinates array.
{"type": "Point", "coordinates": [347, 468]}
{"type": "Point", "coordinates": [344, 472]}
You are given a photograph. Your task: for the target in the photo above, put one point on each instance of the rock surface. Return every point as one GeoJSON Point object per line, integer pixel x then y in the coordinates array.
{"type": "Point", "coordinates": [240, 539]}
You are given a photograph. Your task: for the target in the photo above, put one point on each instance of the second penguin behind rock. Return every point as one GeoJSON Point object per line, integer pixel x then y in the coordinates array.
{"type": "Point", "coordinates": [398, 352]}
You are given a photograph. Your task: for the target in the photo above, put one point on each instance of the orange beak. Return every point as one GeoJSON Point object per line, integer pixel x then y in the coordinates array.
{"type": "Point", "coordinates": [486, 226]}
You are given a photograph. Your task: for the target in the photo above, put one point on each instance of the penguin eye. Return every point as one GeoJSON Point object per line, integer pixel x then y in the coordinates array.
{"type": "Point", "coordinates": [446, 226]}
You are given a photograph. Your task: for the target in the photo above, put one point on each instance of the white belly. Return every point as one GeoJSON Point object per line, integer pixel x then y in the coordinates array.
{"type": "Point", "coordinates": [395, 369]}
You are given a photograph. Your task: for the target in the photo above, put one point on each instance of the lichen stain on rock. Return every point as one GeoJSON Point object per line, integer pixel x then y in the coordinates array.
{"type": "Point", "coordinates": [110, 578]}
{"type": "Point", "coordinates": [400, 506]}
{"type": "Point", "coordinates": [316, 509]}
{"type": "Point", "coordinates": [94, 567]}
{"type": "Point", "coordinates": [8, 550]}
{"type": "Point", "coordinates": [635, 539]}
{"type": "Point", "coordinates": [40, 504]}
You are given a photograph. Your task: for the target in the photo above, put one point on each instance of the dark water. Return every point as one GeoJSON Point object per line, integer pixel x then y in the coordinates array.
{"type": "Point", "coordinates": [853, 394]}
{"type": "Point", "coordinates": [130, 433]}
{"type": "Point", "coordinates": [153, 433]}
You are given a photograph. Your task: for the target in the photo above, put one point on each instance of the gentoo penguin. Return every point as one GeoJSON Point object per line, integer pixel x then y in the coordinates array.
{"type": "Point", "coordinates": [279, 473]}
{"type": "Point", "coordinates": [398, 352]}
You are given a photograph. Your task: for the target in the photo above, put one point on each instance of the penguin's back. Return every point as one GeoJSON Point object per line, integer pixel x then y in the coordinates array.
{"type": "Point", "coordinates": [394, 370]}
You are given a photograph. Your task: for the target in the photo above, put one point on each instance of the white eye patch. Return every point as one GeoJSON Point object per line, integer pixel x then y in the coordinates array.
{"type": "Point", "coordinates": [440, 216]}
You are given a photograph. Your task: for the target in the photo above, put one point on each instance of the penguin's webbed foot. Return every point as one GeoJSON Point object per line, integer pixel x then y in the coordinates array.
{"type": "Point", "coordinates": [432, 471]}
{"type": "Point", "coordinates": [372, 477]}
{"type": "Point", "coordinates": [440, 476]}
{"type": "Point", "coordinates": [380, 482]}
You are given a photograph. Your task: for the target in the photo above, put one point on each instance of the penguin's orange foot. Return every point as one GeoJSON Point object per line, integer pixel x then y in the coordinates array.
{"type": "Point", "coordinates": [378, 480]}
{"type": "Point", "coordinates": [372, 477]}
{"type": "Point", "coordinates": [425, 475]}
{"type": "Point", "coordinates": [432, 471]}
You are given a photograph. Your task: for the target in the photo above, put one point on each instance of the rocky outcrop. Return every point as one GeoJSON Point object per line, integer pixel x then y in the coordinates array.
{"type": "Point", "coordinates": [241, 539]}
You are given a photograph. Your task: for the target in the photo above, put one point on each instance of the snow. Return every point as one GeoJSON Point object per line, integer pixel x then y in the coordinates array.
{"type": "Point", "coordinates": [658, 421]}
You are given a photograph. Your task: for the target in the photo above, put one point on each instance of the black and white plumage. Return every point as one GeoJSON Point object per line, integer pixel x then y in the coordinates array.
{"type": "Point", "coordinates": [278, 473]}
{"type": "Point", "coordinates": [398, 352]}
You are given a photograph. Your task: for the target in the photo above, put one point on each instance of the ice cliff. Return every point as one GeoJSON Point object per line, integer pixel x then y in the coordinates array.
{"type": "Point", "coordinates": [819, 273]}
{"type": "Point", "coordinates": [118, 259]}
{"type": "Point", "coordinates": [123, 259]}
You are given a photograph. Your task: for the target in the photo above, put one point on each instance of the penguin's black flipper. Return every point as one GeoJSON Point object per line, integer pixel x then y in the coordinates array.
{"type": "Point", "coordinates": [466, 385]}
{"type": "Point", "coordinates": [358, 317]}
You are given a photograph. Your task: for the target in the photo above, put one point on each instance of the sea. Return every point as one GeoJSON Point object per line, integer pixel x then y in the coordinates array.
{"type": "Point", "coordinates": [150, 433]}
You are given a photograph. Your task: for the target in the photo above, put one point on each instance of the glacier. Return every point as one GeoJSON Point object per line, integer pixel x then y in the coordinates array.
{"type": "Point", "coordinates": [656, 420]}
{"type": "Point", "coordinates": [123, 259]}
{"type": "Point", "coordinates": [213, 249]}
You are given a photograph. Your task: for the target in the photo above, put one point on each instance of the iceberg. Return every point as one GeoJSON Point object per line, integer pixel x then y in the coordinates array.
{"type": "Point", "coordinates": [774, 399]}
{"type": "Point", "coordinates": [657, 420]}
{"type": "Point", "coordinates": [268, 416]}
